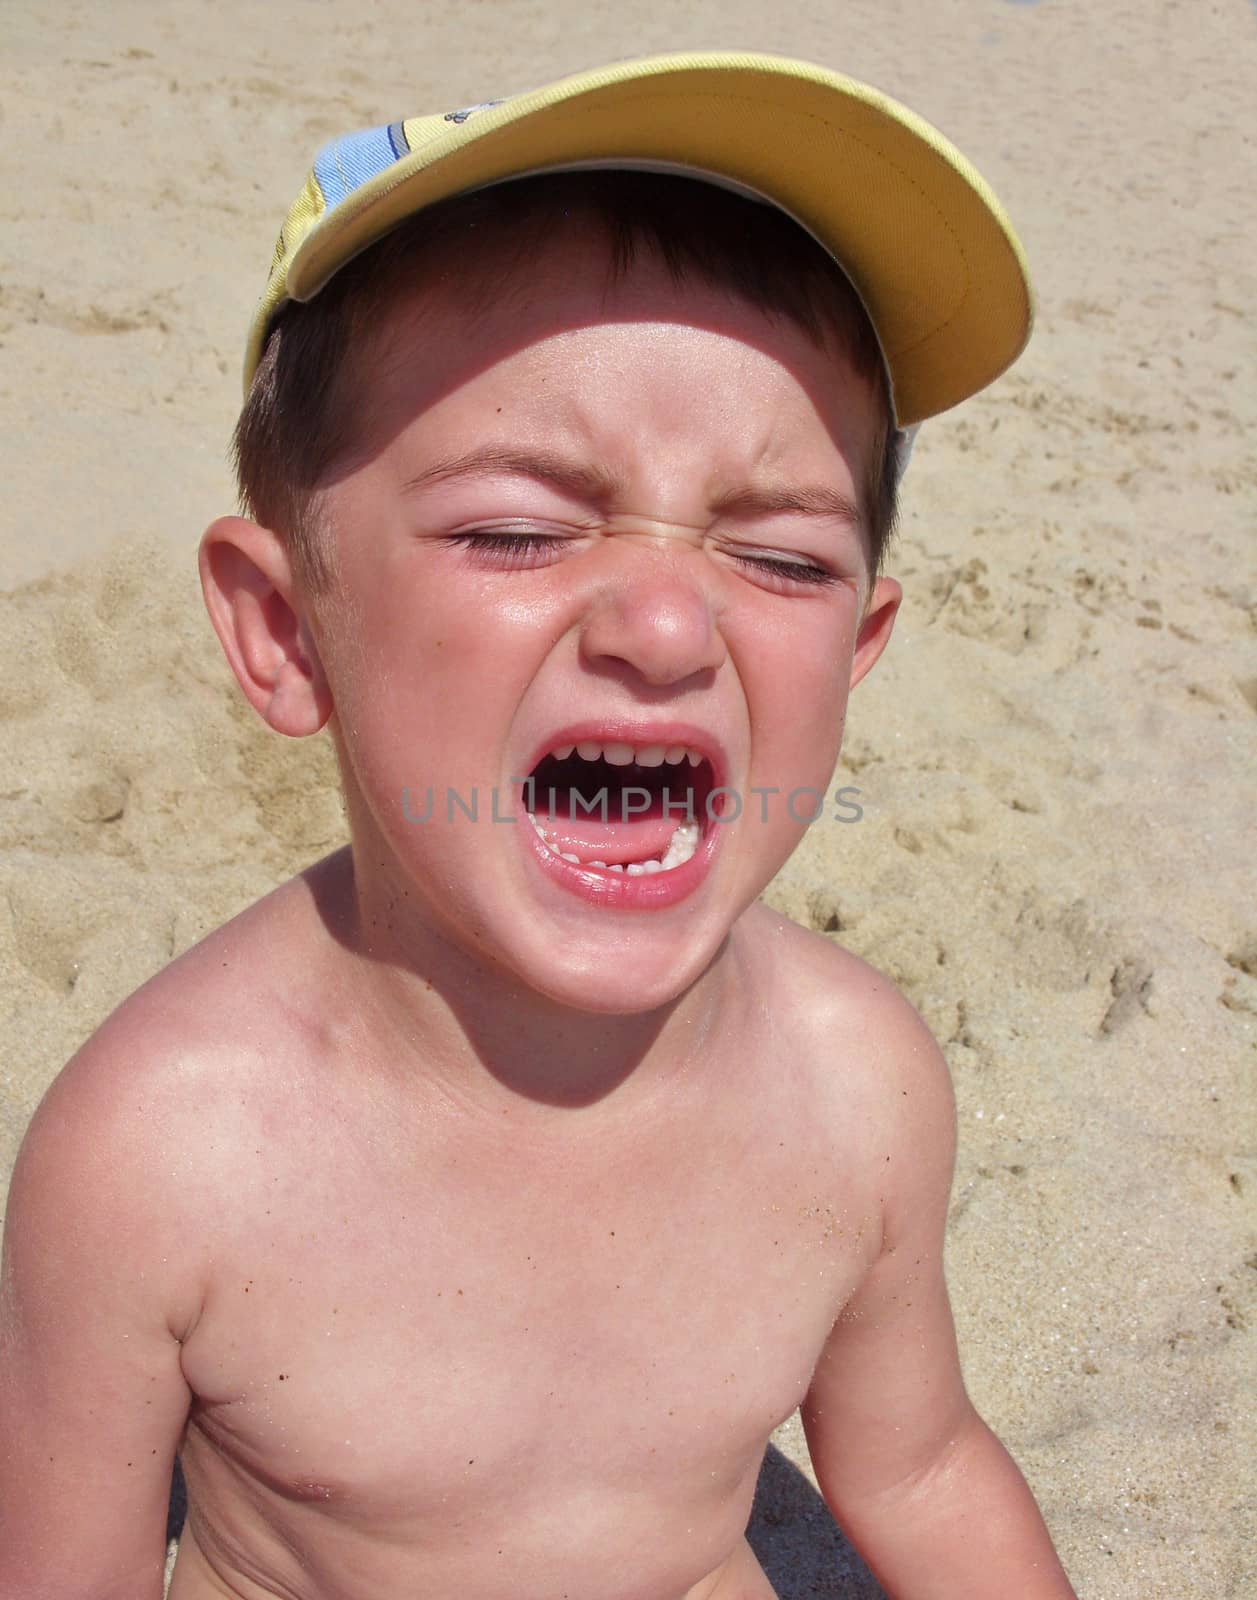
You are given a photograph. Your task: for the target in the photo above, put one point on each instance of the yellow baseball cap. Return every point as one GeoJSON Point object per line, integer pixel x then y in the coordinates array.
{"type": "Point", "coordinates": [913, 225]}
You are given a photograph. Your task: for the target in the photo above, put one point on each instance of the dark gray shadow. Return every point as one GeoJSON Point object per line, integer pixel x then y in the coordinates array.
{"type": "Point", "coordinates": [178, 1505]}
{"type": "Point", "coordinates": [798, 1543]}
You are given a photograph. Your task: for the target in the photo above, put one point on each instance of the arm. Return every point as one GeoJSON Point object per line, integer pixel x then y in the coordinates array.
{"type": "Point", "coordinates": [926, 1492]}
{"type": "Point", "coordinates": [92, 1398]}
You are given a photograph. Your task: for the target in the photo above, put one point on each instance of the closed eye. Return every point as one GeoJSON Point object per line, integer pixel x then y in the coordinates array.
{"type": "Point", "coordinates": [508, 547]}
{"type": "Point", "coordinates": [784, 569]}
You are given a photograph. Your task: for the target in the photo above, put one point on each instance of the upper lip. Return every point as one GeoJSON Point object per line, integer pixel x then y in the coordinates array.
{"type": "Point", "coordinates": [637, 734]}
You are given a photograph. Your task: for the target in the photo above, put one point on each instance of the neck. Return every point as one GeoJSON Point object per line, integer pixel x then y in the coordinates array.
{"type": "Point", "coordinates": [482, 1033]}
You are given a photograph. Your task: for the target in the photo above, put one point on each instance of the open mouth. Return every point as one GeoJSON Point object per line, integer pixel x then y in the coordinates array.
{"type": "Point", "coordinates": [616, 807]}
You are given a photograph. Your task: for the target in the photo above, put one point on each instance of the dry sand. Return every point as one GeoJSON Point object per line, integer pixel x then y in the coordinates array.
{"type": "Point", "coordinates": [1056, 757]}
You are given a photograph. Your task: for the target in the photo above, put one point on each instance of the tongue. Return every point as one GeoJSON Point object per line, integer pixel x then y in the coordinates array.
{"type": "Point", "coordinates": [615, 842]}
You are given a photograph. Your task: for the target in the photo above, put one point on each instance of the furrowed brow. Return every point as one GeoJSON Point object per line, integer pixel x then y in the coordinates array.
{"type": "Point", "coordinates": [581, 480]}
{"type": "Point", "coordinates": [817, 501]}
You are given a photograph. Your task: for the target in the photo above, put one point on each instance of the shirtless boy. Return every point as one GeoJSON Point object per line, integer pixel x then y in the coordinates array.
{"type": "Point", "coordinates": [468, 1212]}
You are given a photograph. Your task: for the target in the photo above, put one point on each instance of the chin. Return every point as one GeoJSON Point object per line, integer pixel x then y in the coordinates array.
{"type": "Point", "coordinates": [620, 981]}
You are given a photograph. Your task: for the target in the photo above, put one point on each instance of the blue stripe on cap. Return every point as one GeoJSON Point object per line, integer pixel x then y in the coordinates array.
{"type": "Point", "coordinates": [345, 164]}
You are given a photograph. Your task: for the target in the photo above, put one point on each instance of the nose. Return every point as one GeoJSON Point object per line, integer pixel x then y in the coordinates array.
{"type": "Point", "coordinates": [657, 616]}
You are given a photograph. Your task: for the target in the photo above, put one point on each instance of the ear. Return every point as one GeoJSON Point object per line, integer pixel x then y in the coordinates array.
{"type": "Point", "coordinates": [251, 595]}
{"type": "Point", "coordinates": [875, 626]}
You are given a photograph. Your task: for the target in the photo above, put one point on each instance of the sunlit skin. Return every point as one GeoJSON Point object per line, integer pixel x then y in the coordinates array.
{"type": "Point", "coordinates": [690, 469]}
{"type": "Point", "coordinates": [503, 1209]}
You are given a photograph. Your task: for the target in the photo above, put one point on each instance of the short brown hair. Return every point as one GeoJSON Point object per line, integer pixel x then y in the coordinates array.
{"type": "Point", "coordinates": [299, 417]}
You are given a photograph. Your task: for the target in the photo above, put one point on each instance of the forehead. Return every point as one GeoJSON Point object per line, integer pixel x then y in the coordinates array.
{"type": "Point", "coordinates": [556, 339]}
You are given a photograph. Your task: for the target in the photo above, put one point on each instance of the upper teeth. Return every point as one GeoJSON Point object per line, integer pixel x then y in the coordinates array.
{"type": "Point", "coordinates": [623, 755]}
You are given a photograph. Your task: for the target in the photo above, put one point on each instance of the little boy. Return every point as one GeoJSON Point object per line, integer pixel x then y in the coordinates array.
{"type": "Point", "coordinates": [468, 1212]}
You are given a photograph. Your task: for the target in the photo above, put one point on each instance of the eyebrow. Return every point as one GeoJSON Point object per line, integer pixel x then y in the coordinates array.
{"type": "Point", "coordinates": [598, 486]}
{"type": "Point", "coordinates": [590, 483]}
{"type": "Point", "coordinates": [814, 501]}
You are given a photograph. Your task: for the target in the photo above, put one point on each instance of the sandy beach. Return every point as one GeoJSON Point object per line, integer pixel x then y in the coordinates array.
{"type": "Point", "coordinates": [1056, 760]}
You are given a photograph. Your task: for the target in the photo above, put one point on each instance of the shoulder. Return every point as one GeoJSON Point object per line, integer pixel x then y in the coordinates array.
{"type": "Point", "coordinates": [137, 1133]}
{"type": "Point", "coordinates": [240, 992]}
{"type": "Point", "coordinates": [97, 1175]}
{"type": "Point", "coordinates": [829, 997]}
{"type": "Point", "coordinates": [221, 997]}
{"type": "Point", "coordinates": [866, 1060]}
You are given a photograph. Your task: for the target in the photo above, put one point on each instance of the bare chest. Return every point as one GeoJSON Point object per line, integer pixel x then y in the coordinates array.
{"type": "Point", "coordinates": [408, 1344]}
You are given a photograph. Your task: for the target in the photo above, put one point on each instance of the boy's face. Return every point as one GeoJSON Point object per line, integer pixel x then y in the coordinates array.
{"type": "Point", "coordinates": [593, 517]}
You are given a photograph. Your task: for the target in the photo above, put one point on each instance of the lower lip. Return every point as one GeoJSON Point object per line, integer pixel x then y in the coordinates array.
{"type": "Point", "coordinates": [617, 891]}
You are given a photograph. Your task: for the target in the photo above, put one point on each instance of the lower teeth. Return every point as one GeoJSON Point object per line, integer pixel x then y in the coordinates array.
{"type": "Point", "coordinates": [681, 847]}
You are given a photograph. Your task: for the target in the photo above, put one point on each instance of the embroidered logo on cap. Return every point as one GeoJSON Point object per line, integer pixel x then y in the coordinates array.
{"type": "Point", "coordinates": [470, 111]}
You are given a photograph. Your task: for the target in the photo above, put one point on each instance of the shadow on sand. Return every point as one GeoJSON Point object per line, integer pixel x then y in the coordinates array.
{"type": "Point", "coordinates": [798, 1543]}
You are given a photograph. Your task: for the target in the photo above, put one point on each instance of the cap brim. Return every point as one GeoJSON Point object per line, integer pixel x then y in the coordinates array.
{"type": "Point", "coordinates": [921, 236]}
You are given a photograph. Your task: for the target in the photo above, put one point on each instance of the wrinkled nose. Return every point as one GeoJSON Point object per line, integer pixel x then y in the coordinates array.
{"type": "Point", "coordinates": [659, 620]}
